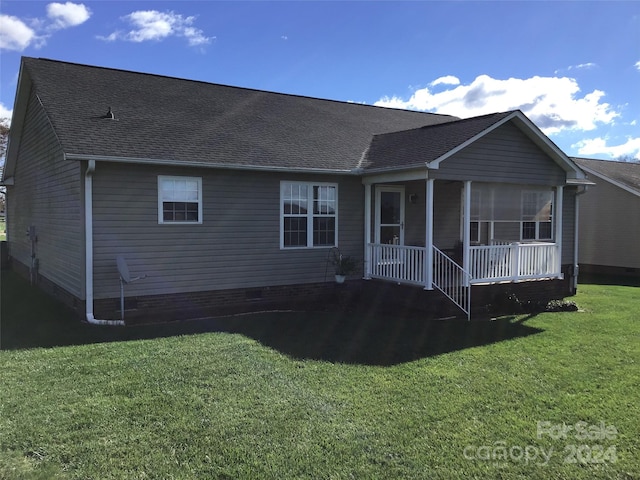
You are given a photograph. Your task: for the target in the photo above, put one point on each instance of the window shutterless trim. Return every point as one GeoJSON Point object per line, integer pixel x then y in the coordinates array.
{"type": "Point", "coordinates": [540, 196]}
{"type": "Point", "coordinates": [309, 216]}
{"type": "Point", "coordinates": [162, 201]}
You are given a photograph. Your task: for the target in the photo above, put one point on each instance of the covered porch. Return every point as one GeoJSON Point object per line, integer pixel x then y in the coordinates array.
{"type": "Point", "coordinates": [451, 234]}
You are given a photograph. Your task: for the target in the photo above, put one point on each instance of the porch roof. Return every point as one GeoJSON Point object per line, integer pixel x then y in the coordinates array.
{"type": "Point", "coordinates": [420, 146]}
{"type": "Point", "coordinates": [426, 147]}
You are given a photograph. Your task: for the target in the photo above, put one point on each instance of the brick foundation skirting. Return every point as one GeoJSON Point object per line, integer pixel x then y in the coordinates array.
{"type": "Point", "coordinates": [52, 289]}
{"type": "Point", "coordinates": [181, 306]}
{"type": "Point", "coordinates": [357, 294]}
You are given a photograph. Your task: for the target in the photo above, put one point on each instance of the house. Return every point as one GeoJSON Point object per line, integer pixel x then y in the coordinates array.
{"type": "Point", "coordinates": [226, 196]}
{"type": "Point", "coordinates": [609, 216]}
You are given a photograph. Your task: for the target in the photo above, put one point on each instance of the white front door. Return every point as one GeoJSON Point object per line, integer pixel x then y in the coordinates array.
{"type": "Point", "coordinates": [389, 215]}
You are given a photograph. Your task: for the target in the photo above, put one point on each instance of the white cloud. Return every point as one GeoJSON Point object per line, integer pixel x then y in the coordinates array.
{"type": "Point", "coordinates": [65, 15]}
{"type": "Point", "coordinates": [15, 34]}
{"type": "Point", "coordinates": [446, 80]}
{"type": "Point", "coordinates": [152, 25]}
{"type": "Point", "coordinates": [637, 65]}
{"type": "Point", "coordinates": [5, 112]}
{"type": "Point", "coordinates": [594, 146]}
{"type": "Point", "coordinates": [552, 103]}
{"type": "Point", "coordinates": [582, 66]}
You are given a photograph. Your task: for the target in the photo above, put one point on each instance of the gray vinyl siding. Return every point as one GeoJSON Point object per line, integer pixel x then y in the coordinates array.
{"type": "Point", "coordinates": [415, 220]}
{"type": "Point", "coordinates": [236, 246]}
{"type": "Point", "coordinates": [505, 155]}
{"type": "Point", "coordinates": [48, 195]}
{"type": "Point", "coordinates": [446, 215]}
{"type": "Point", "coordinates": [568, 224]}
{"type": "Point", "coordinates": [609, 231]}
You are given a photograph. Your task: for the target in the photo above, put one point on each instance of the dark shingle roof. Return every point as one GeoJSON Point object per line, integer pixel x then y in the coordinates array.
{"type": "Point", "coordinates": [417, 146]}
{"type": "Point", "coordinates": [177, 120]}
{"type": "Point", "coordinates": [624, 173]}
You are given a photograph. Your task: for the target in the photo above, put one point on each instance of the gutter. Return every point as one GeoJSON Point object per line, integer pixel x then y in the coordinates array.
{"type": "Point", "coordinates": [88, 245]}
{"type": "Point", "coordinates": [179, 164]}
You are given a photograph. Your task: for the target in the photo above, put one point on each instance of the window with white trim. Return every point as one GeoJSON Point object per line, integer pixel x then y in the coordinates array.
{"type": "Point", "coordinates": [308, 214]}
{"type": "Point", "coordinates": [179, 199]}
{"type": "Point", "coordinates": [537, 215]}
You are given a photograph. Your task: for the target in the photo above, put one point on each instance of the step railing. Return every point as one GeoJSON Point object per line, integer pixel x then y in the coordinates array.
{"type": "Point", "coordinates": [452, 280]}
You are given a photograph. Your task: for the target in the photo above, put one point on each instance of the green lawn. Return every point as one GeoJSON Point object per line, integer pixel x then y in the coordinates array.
{"type": "Point", "coordinates": [323, 395]}
{"type": "Point", "coordinates": [3, 234]}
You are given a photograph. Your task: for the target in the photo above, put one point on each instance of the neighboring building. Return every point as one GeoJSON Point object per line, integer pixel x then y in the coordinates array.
{"type": "Point", "coordinates": [609, 236]}
{"type": "Point", "coordinates": [229, 196]}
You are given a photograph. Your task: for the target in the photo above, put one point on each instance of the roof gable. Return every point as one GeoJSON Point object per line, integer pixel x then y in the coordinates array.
{"type": "Point", "coordinates": [422, 146]}
{"type": "Point", "coordinates": [430, 145]}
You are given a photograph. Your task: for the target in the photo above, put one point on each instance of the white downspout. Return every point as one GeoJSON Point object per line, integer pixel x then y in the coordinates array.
{"type": "Point", "coordinates": [88, 243]}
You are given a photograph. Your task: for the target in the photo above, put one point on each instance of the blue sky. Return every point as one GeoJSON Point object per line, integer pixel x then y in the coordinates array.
{"type": "Point", "coordinates": [572, 67]}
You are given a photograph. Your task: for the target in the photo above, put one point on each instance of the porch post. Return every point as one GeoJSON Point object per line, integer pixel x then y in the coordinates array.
{"type": "Point", "coordinates": [557, 211]}
{"type": "Point", "coordinates": [428, 237]}
{"type": "Point", "coordinates": [466, 225]}
{"type": "Point", "coordinates": [367, 230]}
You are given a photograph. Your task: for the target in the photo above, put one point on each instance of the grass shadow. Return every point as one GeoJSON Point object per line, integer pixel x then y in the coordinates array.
{"type": "Point", "coordinates": [30, 319]}
{"type": "Point", "coordinates": [370, 339]}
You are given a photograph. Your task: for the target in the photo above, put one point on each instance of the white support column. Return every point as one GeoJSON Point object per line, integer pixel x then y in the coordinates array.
{"type": "Point", "coordinates": [557, 213]}
{"type": "Point", "coordinates": [428, 238]}
{"type": "Point", "coordinates": [367, 231]}
{"type": "Point", "coordinates": [466, 225]}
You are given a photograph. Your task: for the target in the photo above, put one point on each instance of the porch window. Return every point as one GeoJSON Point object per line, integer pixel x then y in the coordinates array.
{"type": "Point", "coordinates": [308, 213]}
{"type": "Point", "coordinates": [474, 226]}
{"type": "Point", "coordinates": [537, 214]}
{"type": "Point", "coordinates": [502, 213]}
{"type": "Point", "coordinates": [179, 199]}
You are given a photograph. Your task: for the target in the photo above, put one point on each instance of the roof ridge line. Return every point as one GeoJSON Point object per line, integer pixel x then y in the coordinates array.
{"type": "Point", "coordinates": [250, 89]}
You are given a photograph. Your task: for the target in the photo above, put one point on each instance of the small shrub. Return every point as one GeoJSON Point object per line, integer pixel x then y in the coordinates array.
{"type": "Point", "coordinates": [561, 306]}
{"type": "Point", "coordinates": [508, 303]}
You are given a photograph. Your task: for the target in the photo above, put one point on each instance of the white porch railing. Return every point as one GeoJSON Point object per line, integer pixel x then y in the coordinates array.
{"type": "Point", "coordinates": [398, 263]}
{"type": "Point", "coordinates": [513, 262]}
{"type": "Point", "coordinates": [490, 263]}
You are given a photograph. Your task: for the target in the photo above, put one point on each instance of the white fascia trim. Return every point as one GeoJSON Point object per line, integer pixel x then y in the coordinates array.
{"type": "Point", "coordinates": [88, 245]}
{"type": "Point", "coordinates": [173, 163]}
{"type": "Point", "coordinates": [611, 181]}
{"type": "Point", "coordinates": [571, 168]}
{"type": "Point", "coordinates": [394, 175]}
{"type": "Point", "coordinates": [16, 126]}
